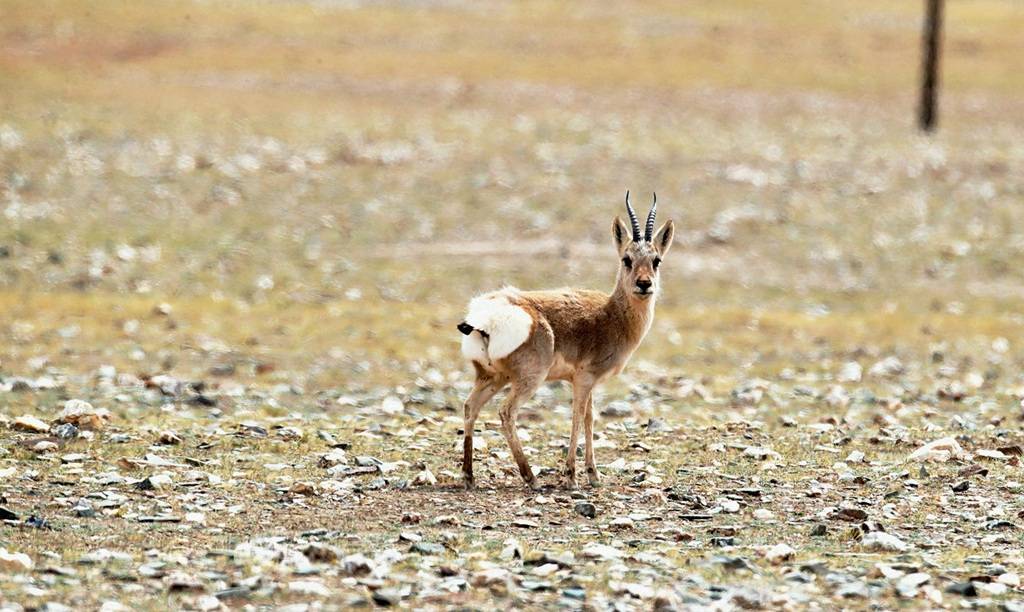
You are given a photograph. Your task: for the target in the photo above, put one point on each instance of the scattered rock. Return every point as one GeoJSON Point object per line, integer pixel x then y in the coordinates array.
{"type": "Point", "coordinates": [168, 438]}
{"type": "Point", "coordinates": [595, 550]}
{"type": "Point", "coordinates": [853, 515]}
{"type": "Point", "coordinates": [585, 509]}
{"type": "Point", "coordinates": [850, 372]}
{"type": "Point", "coordinates": [888, 367]}
{"type": "Point", "coordinates": [939, 451]}
{"type": "Point", "coordinates": [908, 585]}
{"type": "Point", "coordinates": [27, 422]}
{"type": "Point", "coordinates": [15, 562]}
{"type": "Point", "coordinates": [964, 589]}
{"type": "Point", "coordinates": [617, 408]}
{"type": "Point", "coordinates": [309, 587]}
{"type": "Point", "coordinates": [83, 415]}
{"type": "Point", "coordinates": [779, 553]}
{"type": "Point", "coordinates": [883, 542]}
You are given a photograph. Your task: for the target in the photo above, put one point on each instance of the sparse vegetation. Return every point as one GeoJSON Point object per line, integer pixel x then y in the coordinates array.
{"type": "Point", "coordinates": [247, 231]}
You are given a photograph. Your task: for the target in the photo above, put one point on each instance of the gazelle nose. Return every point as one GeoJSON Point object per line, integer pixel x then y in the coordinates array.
{"type": "Point", "coordinates": [643, 283]}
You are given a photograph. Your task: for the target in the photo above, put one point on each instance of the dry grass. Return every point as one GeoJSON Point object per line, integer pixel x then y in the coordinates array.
{"type": "Point", "coordinates": [316, 189]}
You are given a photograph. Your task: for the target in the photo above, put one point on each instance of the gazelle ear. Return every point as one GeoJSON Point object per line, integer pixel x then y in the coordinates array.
{"type": "Point", "coordinates": [663, 239]}
{"type": "Point", "coordinates": [620, 233]}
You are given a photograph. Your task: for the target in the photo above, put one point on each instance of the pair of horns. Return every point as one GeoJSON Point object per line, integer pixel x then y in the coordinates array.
{"type": "Point", "coordinates": [636, 224]}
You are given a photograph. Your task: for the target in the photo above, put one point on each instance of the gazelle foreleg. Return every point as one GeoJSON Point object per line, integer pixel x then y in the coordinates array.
{"type": "Point", "coordinates": [588, 432]}
{"type": "Point", "coordinates": [581, 388]}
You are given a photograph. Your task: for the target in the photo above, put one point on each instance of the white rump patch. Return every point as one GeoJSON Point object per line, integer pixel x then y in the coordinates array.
{"type": "Point", "coordinates": [507, 325]}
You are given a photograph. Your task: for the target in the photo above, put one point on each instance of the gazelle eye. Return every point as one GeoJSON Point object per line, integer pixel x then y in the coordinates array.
{"type": "Point", "coordinates": [657, 262]}
{"type": "Point", "coordinates": [627, 262]}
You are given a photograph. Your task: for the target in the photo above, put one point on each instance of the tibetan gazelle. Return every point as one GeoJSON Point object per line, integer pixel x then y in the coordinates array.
{"type": "Point", "coordinates": [523, 338]}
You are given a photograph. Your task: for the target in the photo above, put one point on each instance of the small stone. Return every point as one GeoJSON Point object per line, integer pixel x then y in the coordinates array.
{"type": "Point", "coordinates": [992, 588]}
{"type": "Point", "coordinates": [890, 366]}
{"type": "Point", "coordinates": [83, 415]}
{"type": "Point", "coordinates": [854, 589]}
{"type": "Point", "coordinates": [779, 553]}
{"type": "Point", "coordinates": [425, 478]}
{"type": "Point", "coordinates": [309, 587]}
{"type": "Point", "coordinates": [392, 404]}
{"type": "Point", "coordinates": [939, 451]}
{"type": "Point", "coordinates": [1011, 579]}
{"type": "Point", "coordinates": [181, 581]}
{"type": "Point", "coordinates": [761, 452]}
{"type": "Point", "coordinates": [388, 596]}
{"type": "Point", "coordinates": [65, 431]}
{"type": "Point", "coordinates": [586, 509]}
{"type": "Point", "coordinates": [964, 589]}
{"type": "Point", "coordinates": [320, 553]}
{"type": "Point", "coordinates": [961, 487]}
{"type": "Point", "coordinates": [882, 541]}
{"type": "Point", "coordinates": [27, 422]}
{"type": "Point", "coordinates": [850, 514]}
{"type": "Point", "coordinates": [14, 562]}
{"type": "Point", "coordinates": [44, 446]}
{"type": "Point", "coordinates": [908, 585]}
{"type": "Point", "coordinates": [427, 548]}
{"type": "Point", "coordinates": [168, 438]}
{"type": "Point", "coordinates": [617, 408]}
{"type": "Point", "coordinates": [763, 514]}
{"type": "Point", "coordinates": [356, 565]}
{"type": "Point", "coordinates": [850, 372]}
{"type": "Point", "coordinates": [595, 550]}
{"type": "Point", "coordinates": [206, 603]}
{"type": "Point", "coordinates": [490, 577]}
{"type": "Point", "coordinates": [731, 506]}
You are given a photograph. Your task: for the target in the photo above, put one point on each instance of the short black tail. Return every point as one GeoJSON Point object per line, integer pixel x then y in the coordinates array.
{"type": "Point", "coordinates": [467, 329]}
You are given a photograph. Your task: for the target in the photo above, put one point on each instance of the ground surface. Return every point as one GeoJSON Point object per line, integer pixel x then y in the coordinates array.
{"type": "Point", "coordinates": [247, 232]}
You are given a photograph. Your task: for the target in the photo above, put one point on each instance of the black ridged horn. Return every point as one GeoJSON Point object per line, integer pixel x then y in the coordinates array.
{"type": "Point", "coordinates": [649, 234]}
{"type": "Point", "coordinates": [632, 219]}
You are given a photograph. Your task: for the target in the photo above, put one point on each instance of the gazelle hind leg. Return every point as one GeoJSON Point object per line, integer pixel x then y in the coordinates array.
{"type": "Point", "coordinates": [482, 392]}
{"type": "Point", "coordinates": [522, 390]}
{"type": "Point", "coordinates": [588, 432]}
{"type": "Point", "coordinates": [526, 368]}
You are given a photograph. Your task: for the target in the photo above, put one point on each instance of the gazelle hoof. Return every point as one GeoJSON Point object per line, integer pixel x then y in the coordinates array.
{"type": "Point", "coordinates": [533, 484]}
{"type": "Point", "coordinates": [468, 483]}
{"type": "Point", "coordinates": [595, 480]}
{"type": "Point", "coordinates": [569, 484]}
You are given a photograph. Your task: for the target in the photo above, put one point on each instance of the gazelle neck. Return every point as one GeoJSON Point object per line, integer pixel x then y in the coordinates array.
{"type": "Point", "coordinates": [636, 315]}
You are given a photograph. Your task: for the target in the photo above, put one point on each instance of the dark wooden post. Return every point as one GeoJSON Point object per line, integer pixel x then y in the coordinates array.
{"type": "Point", "coordinates": [928, 114]}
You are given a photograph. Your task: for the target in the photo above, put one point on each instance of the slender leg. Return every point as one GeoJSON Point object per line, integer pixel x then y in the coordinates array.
{"type": "Point", "coordinates": [482, 392]}
{"type": "Point", "coordinates": [581, 387]}
{"type": "Point", "coordinates": [521, 391]}
{"type": "Point", "coordinates": [588, 432]}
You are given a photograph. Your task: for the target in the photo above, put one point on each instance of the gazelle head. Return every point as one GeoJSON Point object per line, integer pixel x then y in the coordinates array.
{"type": "Point", "coordinates": [640, 255]}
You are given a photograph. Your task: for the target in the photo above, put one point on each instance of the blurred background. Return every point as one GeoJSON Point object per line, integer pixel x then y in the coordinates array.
{"type": "Point", "coordinates": [320, 186]}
